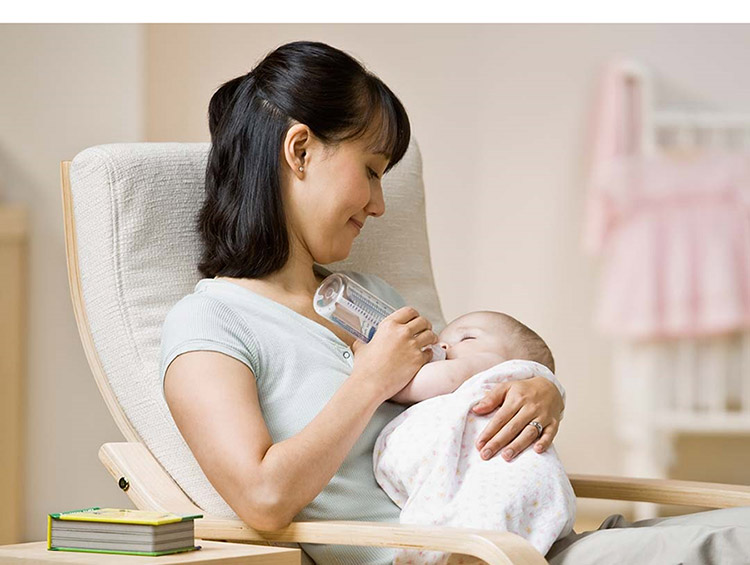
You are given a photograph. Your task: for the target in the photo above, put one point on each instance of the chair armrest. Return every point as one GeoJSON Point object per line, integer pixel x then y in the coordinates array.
{"type": "Point", "coordinates": [664, 491]}
{"type": "Point", "coordinates": [494, 547]}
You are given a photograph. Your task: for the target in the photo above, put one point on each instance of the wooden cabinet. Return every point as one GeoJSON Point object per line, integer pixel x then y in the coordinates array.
{"type": "Point", "coordinates": [13, 307]}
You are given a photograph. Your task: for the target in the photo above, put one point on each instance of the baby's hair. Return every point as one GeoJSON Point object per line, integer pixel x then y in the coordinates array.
{"type": "Point", "coordinates": [531, 346]}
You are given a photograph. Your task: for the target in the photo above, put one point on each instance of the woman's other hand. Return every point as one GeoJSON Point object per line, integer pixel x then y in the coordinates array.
{"type": "Point", "coordinates": [520, 402]}
{"type": "Point", "coordinates": [394, 354]}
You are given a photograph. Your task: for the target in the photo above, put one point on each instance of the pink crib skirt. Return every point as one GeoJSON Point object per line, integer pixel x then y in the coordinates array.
{"type": "Point", "coordinates": [675, 240]}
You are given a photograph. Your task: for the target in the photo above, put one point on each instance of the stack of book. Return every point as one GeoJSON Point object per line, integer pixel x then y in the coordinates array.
{"type": "Point", "coordinates": [116, 530]}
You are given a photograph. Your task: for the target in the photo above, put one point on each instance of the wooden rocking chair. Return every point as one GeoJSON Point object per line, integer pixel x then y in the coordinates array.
{"type": "Point", "coordinates": [132, 252]}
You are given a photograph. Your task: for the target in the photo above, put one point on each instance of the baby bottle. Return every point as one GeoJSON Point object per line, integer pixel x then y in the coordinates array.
{"type": "Point", "coordinates": [357, 310]}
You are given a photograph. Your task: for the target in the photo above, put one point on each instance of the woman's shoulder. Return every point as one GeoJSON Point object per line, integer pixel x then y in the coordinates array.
{"type": "Point", "coordinates": [199, 304]}
{"type": "Point", "coordinates": [201, 320]}
{"type": "Point", "coordinates": [206, 314]}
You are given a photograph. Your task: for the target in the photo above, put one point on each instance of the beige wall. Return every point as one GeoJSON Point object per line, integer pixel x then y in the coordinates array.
{"type": "Point", "coordinates": [500, 112]}
{"type": "Point", "coordinates": [64, 88]}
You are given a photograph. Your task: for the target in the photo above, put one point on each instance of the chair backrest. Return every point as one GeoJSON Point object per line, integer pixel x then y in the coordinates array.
{"type": "Point", "coordinates": [132, 247]}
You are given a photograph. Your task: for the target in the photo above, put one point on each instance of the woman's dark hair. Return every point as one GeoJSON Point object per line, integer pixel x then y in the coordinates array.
{"type": "Point", "coordinates": [242, 222]}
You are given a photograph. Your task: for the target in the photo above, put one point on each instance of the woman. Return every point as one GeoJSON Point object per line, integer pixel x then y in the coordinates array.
{"type": "Point", "coordinates": [280, 407]}
{"type": "Point", "coordinates": [299, 148]}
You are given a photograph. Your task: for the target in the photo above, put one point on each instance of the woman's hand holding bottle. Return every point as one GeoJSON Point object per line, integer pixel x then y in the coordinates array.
{"type": "Point", "coordinates": [394, 354]}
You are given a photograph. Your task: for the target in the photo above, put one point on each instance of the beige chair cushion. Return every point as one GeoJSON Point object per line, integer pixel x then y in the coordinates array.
{"type": "Point", "coordinates": [135, 206]}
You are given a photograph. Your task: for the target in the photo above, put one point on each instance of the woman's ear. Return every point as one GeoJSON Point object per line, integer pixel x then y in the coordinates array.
{"type": "Point", "coordinates": [295, 142]}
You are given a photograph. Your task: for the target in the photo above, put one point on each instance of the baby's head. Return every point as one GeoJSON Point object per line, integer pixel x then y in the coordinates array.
{"type": "Point", "coordinates": [494, 332]}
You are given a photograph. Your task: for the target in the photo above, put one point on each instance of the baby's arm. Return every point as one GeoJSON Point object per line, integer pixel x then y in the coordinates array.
{"type": "Point", "coordinates": [442, 377]}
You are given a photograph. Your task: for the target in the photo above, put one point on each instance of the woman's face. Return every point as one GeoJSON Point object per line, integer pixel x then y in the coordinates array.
{"type": "Point", "coordinates": [337, 187]}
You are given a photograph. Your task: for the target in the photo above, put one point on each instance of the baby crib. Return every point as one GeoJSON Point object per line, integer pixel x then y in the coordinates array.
{"type": "Point", "coordinates": [687, 385]}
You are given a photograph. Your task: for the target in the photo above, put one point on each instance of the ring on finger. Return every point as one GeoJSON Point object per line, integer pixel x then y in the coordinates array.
{"type": "Point", "coordinates": [538, 426]}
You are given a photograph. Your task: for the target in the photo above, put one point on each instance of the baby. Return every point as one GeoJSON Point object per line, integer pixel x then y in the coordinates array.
{"type": "Point", "coordinates": [425, 459]}
{"type": "Point", "coordinates": [474, 342]}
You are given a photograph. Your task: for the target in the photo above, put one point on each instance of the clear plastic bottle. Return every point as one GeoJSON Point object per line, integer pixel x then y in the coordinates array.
{"type": "Point", "coordinates": [351, 306]}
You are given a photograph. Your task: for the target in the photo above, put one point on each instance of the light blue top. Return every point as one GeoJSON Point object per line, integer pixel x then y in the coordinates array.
{"type": "Point", "coordinates": [298, 366]}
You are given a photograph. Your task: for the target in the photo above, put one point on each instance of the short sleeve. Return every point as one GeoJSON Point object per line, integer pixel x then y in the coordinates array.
{"type": "Point", "coordinates": [201, 323]}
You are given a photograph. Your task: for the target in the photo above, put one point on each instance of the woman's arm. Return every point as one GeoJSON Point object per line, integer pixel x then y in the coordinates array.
{"type": "Point", "coordinates": [266, 484]}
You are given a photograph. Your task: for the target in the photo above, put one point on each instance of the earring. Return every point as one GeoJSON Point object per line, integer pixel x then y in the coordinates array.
{"type": "Point", "coordinates": [301, 168]}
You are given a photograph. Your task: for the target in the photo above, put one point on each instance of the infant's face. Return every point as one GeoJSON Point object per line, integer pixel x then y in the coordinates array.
{"type": "Point", "coordinates": [476, 332]}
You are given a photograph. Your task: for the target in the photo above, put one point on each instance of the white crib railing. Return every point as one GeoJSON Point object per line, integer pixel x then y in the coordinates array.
{"type": "Point", "coordinates": [703, 384]}
{"type": "Point", "coordinates": [697, 385]}
{"type": "Point", "coordinates": [700, 130]}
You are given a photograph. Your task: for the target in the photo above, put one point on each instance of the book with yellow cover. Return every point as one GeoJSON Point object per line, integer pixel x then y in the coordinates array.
{"type": "Point", "coordinates": [121, 530]}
